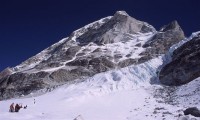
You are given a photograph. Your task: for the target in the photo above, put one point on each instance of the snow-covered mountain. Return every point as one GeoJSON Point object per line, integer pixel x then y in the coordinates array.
{"type": "Point", "coordinates": [110, 43]}
{"type": "Point", "coordinates": [114, 67]}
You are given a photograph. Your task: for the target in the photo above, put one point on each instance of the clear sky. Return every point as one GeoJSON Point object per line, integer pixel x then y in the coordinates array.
{"type": "Point", "coordinates": [29, 26]}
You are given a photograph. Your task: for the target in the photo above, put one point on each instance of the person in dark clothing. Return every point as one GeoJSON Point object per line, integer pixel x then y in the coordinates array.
{"type": "Point", "coordinates": [12, 109]}
{"type": "Point", "coordinates": [17, 107]}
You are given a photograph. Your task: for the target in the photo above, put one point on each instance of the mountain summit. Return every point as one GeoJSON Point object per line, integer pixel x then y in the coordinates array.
{"type": "Point", "coordinates": [121, 13]}
{"type": "Point", "coordinates": [110, 43]}
{"type": "Point", "coordinates": [173, 25]}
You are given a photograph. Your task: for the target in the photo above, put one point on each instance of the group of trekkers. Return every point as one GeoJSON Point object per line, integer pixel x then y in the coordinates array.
{"type": "Point", "coordinates": [16, 108]}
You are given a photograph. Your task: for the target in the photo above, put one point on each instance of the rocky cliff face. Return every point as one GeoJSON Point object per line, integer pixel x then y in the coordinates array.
{"type": "Point", "coordinates": [110, 43]}
{"type": "Point", "coordinates": [185, 65]}
{"type": "Point", "coordinates": [6, 72]}
{"type": "Point", "coordinates": [160, 43]}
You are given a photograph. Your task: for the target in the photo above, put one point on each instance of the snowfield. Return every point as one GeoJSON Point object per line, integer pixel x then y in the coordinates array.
{"type": "Point", "coordinates": [125, 94]}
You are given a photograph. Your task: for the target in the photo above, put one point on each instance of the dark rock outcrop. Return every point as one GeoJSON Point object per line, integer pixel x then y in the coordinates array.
{"type": "Point", "coordinates": [192, 111]}
{"type": "Point", "coordinates": [127, 62]}
{"type": "Point", "coordinates": [94, 65]}
{"type": "Point", "coordinates": [63, 75]}
{"type": "Point", "coordinates": [185, 64]}
{"type": "Point", "coordinates": [20, 84]}
{"type": "Point", "coordinates": [161, 42]}
{"type": "Point", "coordinates": [5, 72]}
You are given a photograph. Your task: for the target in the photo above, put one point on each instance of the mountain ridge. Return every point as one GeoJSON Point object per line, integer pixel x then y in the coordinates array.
{"type": "Point", "coordinates": [109, 43]}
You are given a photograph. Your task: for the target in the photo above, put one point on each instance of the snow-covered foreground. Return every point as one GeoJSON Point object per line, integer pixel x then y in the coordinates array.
{"type": "Point", "coordinates": [58, 106]}
{"type": "Point", "coordinates": [135, 104]}
{"type": "Point", "coordinates": [124, 94]}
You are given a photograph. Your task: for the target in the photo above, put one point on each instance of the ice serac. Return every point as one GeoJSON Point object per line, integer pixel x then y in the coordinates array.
{"type": "Point", "coordinates": [185, 65]}
{"type": "Point", "coordinates": [110, 43]}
